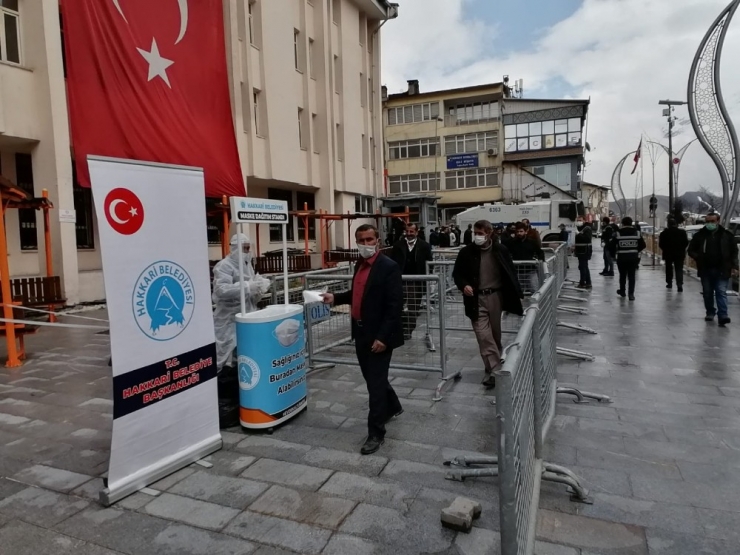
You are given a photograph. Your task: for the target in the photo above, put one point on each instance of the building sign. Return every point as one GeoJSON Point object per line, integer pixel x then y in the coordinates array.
{"type": "Point", "coordinates": [155, 267]}
{"type": "Point", "coordinates": [460, 161]}
{"type": "Point", "coordinates": [258, 210]}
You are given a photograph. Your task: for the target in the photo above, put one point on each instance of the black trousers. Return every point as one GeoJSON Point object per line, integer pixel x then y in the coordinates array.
{"type": "Point", "coordinates": [670, 266]}
{"type": "Point", "coordinates": [627, 272]}
{"type": "Point", "coordinates": [412, 293]}
{"type": "Point", "coordinates": [384, 402]}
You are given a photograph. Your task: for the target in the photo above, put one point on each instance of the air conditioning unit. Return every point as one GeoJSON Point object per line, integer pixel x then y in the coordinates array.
{"type": "Point", "coordinates": [492, 152]}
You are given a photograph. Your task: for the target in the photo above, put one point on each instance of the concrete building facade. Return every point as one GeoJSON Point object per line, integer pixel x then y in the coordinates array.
{"type": "Point", "coordinates": [305, 88]}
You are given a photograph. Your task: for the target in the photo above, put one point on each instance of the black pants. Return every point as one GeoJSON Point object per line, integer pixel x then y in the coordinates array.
{"type": "Point", "coordinates": [627, 271]}
{"type": "Point", "coordinates": [584, 269]}
{"type": "Point", "coordinates": [384, 402]}
{"type": "Point", "coordinates": [412, 293]}
{"type": "Point", "coordinates": [670, 265]}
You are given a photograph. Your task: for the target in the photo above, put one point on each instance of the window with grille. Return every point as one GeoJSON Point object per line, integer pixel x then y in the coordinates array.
{"type": "Point", "coordinates": [471, 179]}
{"type": "Point", "coordinates": [10, 32]}
{"type": "Point", "coordinates": [306, 200]}
{"type": "Point", "coordinates": [474, 112]}
{"type": "Point", "coordinates": [415, 113]}
{"type": "Point", "coordinates": [26, 217]}
{"type": "Point", "coordinates": [473, 142]}
{"type": "Point", "coordinates": [413, 183]}
{"type": "Point", "coordinates": [84, 208]}
{"type": "Point", "coordinates": [417, 148]}
{"type": "Point", "coordinates": [276, 230]}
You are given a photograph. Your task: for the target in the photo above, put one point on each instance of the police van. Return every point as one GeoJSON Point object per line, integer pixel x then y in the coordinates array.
{"type": "Point", "coordinates": [545, 216]}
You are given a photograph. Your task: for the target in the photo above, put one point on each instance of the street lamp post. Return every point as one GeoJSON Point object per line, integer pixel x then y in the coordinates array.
{"type": "Point", "coordinates": [669, 113]}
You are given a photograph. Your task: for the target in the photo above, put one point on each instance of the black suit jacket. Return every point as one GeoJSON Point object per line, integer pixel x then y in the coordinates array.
{"type": "Point", "coordinates": [382, 303]}
{"type": "Point", "coordinates": [422, 254]}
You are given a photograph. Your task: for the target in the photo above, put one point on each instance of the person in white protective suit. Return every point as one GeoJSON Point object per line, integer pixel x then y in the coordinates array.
{"type": "Point", "coordinates": [227, 303]}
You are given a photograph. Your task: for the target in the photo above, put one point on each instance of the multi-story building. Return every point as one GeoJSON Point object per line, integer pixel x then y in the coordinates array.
{"type": "Point", "coordinates": [595, 200]}
{"type": "Point", "coordinates": [305, 88]}
{"type": "Point", "coordinates": [445, 143]}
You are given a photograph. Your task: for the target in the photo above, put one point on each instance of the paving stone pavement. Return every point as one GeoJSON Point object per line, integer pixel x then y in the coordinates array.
{"type": "Point", "coordinates": [662, 461]}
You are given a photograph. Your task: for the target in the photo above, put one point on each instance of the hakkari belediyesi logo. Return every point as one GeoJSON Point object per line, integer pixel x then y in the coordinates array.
{"type": "Point", "coordinates": [163, 300]}
{"type": "Point", "coordinates": [249, 373]}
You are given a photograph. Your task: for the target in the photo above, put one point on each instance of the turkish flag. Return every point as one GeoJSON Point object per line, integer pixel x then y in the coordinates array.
{"type": "Point", "coordinates": [147, 80]}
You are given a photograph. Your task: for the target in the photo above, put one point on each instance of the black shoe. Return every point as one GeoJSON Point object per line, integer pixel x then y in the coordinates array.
{"type": "Point", "coordinates": [723, 322]}
{"type": "Point", "coordinates": [621, 293]}
{"type": "Point", "coordinates": [372, 444]}
{"type": "Point", "coordinates": [609, 274]}
{"type": "Point", "coordinates": [669, 286]}
{"type": "Point", "coordinates": [632, 297]}
{"type": "Point", "coordinates": [589, 286]}
{"type": "Point", "coordinates": [680, 289]}
{"type": "Point", "coordinates": [489, 381]}
{"type": "Point", "coordinates": [396, 415]}
{"type": "Point", "coordinates": [603, 273]}
{"type": "Point", "coordinates": [708, 318]}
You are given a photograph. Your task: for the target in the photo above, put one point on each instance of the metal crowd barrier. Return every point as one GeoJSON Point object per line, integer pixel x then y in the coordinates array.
{"type": "Point", "coordinates": [525, 399]}
{"type": "Point", "coordinates": [328, 329]}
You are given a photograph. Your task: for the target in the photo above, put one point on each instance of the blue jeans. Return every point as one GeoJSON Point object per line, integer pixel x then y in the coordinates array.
{"type": "Point", "coordinates": [583, 268]}
{"type": "Point", "coordinates": [608, 261]}
{"type": "Point", "coordinates": [715, 285]}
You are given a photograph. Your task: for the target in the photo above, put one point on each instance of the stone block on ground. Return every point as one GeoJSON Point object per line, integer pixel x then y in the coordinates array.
{"type": "Point", "coordinates": [460, 514]}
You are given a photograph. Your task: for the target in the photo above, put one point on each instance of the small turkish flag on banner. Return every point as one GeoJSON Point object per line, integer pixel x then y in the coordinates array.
{"type": "Point", "coordinates": [147, 80]}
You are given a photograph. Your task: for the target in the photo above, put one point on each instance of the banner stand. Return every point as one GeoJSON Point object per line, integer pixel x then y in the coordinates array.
{"type": "Point", "coordinates": [271, 343]}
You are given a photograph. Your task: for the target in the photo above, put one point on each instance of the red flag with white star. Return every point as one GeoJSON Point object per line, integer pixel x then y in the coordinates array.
{"type": "Point", "coordinates": [148, 81]}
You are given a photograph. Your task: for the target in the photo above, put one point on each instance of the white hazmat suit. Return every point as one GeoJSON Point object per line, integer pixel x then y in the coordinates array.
{"type": "Point", "coordinates": [227, 297]}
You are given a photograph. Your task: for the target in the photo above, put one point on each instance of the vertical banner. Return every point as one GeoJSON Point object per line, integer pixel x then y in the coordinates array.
{"type": "Point", "coordinates": [155, 263]}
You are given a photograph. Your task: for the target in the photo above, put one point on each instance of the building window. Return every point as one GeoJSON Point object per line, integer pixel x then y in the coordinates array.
{"type": "Point", "coordinates": [315, 133]}
{"type": "Point", "coordinates": [257, 98]}
{"type": "Point", "coordinates": [413, 113]}
{"type": "Point", "coordinates": [302, 137]}
{"type": "Point", "coordinates": [372, 153]}
{"type": "Point", "coordinates": [559, 133]}
{"type": "Point", "coordinates": [311, 58]}
{"type": "Point", "coordinates": [363, 91]}
{"type": "Point", "coordinates": [335, 11]}
{"type": "Point", "coordinates": [560, 175]}
{"type": "Point", "coordinates": [254, 19]}
{"type": "Point", "coordinates": [363, 30]}
{"type": "Point", "coordinates": [417, 148]}
{"type": "Point", "coordinates": [10, 38]}
{"type": "Point", "coordinates": [475, 112]}
{"type": "Point", "coordinates": [276, 230]}
{"type": "Point", "coordinates": [340, 143]}
{"type": "Point", "coordinates": [26, 216]}
{"type": "Point", "coordinates": [471, 179]}
{"type": "Point", "coordinates": [306, 201]}
{"type": "Point", "coordinates": [83, 203]}
{"type": "Point", "coordinates": [364, 151]}
{"type": "Point", "coordinates": [473, 142]}
{"type": "Point", "coordinates": [337, 75]}
{"type": "Point", "coordinates": [364, 204]}
{"type": "Point", "coordinates": [413, 183]}
{"type": "Point", "coordinates": [297, 50]}
{"type": "Point", "coordinates": [371, 94]}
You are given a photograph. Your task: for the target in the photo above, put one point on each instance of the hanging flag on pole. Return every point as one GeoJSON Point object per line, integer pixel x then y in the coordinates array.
{"type": "Point", "coordinates": [148, 81]}
{"type": "Point", "coordinates": [638, 155]}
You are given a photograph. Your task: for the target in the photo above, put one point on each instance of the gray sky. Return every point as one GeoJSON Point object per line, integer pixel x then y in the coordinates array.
{"type": "Point", "coordinates": [623, 54]}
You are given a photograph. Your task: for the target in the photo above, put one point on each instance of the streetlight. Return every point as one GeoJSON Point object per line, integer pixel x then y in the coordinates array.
{"type": "Point", "coordinates": [668, 112]}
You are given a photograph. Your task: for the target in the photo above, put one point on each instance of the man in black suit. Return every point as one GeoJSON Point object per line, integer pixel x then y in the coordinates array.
{"type": "Point", "coordinates": [376, 299]}
{"type": "Point", "coordinates": [412, 254]}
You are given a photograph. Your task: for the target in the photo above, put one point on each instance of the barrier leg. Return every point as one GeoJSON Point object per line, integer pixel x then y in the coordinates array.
{"type": "Point", "coordinates": [581, 396]}
{"type": "Point", "coordinates": [573, 310]}
{"type": "Point", "coordinates": [458, 474]}
{"type": "Point", "coordinates": [577, 327]}
{"type": "Point", "coordinates": [574, 299]}
{"type": "Point", "coordinates": [579, 355]}
{"type": "Point", "coordinates": [561, 475]}
{"type": "Point", "coordinates": [467, 461]}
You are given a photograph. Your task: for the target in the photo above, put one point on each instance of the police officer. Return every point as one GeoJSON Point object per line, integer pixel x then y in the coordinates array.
{"type": "Point", "coordinates": [625, 246]}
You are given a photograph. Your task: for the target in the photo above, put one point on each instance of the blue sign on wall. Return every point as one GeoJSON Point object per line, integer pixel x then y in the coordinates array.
{"type": "Point", "coordinates": [460, 161]}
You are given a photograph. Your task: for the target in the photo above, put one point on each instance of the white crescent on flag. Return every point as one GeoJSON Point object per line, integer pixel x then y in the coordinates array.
{"type": "Point", "coordinates": [112, 211]}
{"type": "Point", "coordinates": [183, 5]}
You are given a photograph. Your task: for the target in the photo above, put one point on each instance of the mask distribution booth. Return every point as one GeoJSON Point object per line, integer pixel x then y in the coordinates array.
{"type": "Point", "coordinates": [271, 343]}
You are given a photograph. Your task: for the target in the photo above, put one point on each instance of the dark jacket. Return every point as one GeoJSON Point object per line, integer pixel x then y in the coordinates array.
{"type": "Point", "coordinates": [673, 242]}
{"type": "Point", "coordinates": [524, 250]}
{"type": "Point", "coordinates": [434, 238]}
{"type": "Point", "coordinates": [382, 303]}
{"type": "Point", "coordinates": [534, 235]}
{"type": "Point", "coordinates": [444, 240]}
{"type": "Point", "coordinates": [584, 241]}
{"type": "Point", "coordinates": [422, 254]}
{"type": "Point", "coordinates": [468, 237]}
{"type": "Point", "coordinates": [626, 245]}
{"type": "Point", "coordinates": [467, 273]}
{"type": "Point", "coordinates": [728, 250]}
{"type": "Point", "coordinates": [607, 233]}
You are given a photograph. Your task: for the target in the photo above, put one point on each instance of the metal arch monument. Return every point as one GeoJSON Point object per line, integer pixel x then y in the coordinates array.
{"type": "Point", "coordinates": [617, 191]}
{"type": "Point", "coordinates": [708, 111]}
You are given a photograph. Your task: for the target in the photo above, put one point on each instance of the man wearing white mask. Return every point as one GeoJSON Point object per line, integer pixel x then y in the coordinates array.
{"type": "Point", "coordinates": [485, 274]}
{"type": "Point", "coordinates": [412, 254]}
{"type": "Point", "coordinates": [376, 299]}
{"type": "Point", "coordinates": [227, 303]}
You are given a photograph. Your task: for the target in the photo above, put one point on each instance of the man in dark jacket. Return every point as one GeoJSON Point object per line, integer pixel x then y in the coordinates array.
{"type": "Point", "coordinates": [715, 251]}
{"type": "Point", "coordinates": [376, 299]}
{"type": "Point", "coordinates": [485, 274]}
{"type": "Point", "coordinates": [532, 233]}
{"type": "Point", "coordinates": [468, 236]}
{"type": "Point", "coordinates": [412, 254]}
{"type": "Point", "coordinates": [673, 242]}
{"type": "Point", "coordinates": [625, 246]}
{"type": "Point", "coordinates": [584, 250]}
{"type": "Point", "coordinates": [524, 249]}
{"type": "Point", "coordinates": [444, 238]}
{"type": "Point", "coordinates": [434, 237]}
{"type": "Point", "coordinates": [607, 232]}
{"type": "Point", "coordinates": [458, 235]}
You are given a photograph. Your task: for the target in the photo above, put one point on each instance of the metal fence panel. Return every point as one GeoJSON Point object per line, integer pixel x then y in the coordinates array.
{"type": "Point", "coordinates": [519, 467]}
{"type": "Point", "coordinates": [545, 384]}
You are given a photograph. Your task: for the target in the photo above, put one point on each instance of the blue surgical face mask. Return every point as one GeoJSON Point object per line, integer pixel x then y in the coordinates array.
{"type": "Point", "coordinates": [711, 227]}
